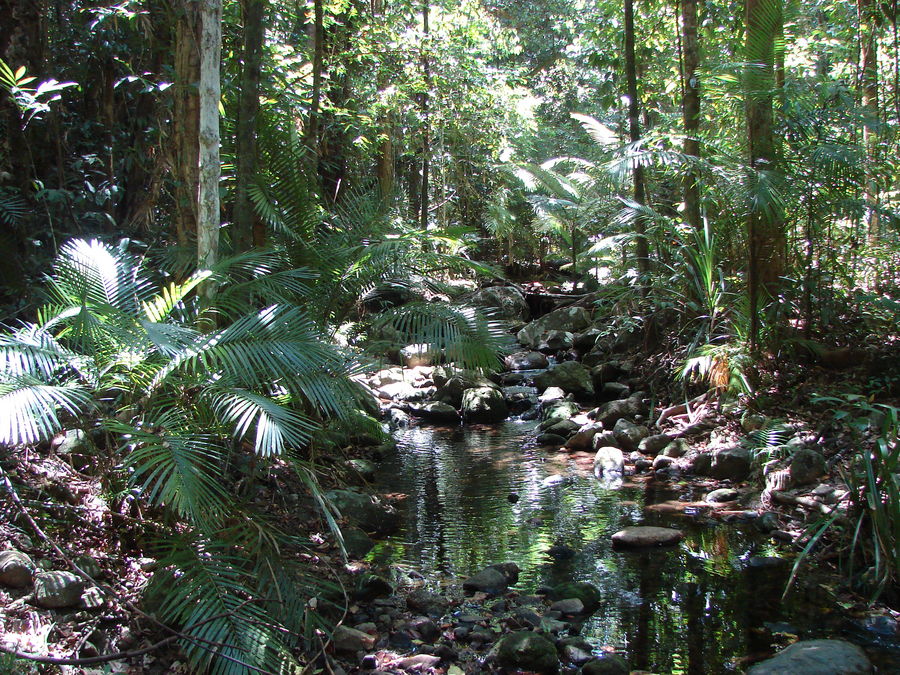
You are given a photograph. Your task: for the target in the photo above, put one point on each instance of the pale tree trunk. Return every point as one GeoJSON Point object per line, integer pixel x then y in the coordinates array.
{"type": "Point", "coordinates": [312, 126]}
{"type": "Point", "coordinates": [426, 117]}
{"type": "Point", "coordinates": [384, 162]}
{"type": "Point", "coordinates": [690, 104]}
{"type": "Point", "coordinates": [186, 121]}
{"type": "Point", "coordinates": [765, 225]}
{"type": "Point", "coordinates": [634, 131]}
{"type": "Point", "coordinates": [210, 165]}
{"type": "Point", "coordinates": [248, 229]}
{"type": "Point", "coordinates": [868, 39]}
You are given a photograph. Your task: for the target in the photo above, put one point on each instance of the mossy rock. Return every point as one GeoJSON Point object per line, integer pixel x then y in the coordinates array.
{"type": "Point", "coordinates": [589, 594]}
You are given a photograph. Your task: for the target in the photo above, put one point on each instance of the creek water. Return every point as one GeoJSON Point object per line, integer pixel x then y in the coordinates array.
{"type": "Point", "coordinates": [478, 495]}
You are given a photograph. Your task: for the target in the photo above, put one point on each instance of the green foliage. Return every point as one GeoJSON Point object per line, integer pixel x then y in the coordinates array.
{"type": "Point", "coordinates": [182, 388]}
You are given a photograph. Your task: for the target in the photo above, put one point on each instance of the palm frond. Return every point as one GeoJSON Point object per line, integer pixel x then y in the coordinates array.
{"type": "Point", "coordinates": [29, 408]}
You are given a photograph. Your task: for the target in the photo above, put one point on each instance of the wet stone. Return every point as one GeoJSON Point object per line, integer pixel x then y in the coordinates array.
{"type": "Point", "coordinates": [645, 537]}
{"type": "Point", "coordinates": [816, 657]}
{"type": "Point", "coordinates": [722, 495]}
{"type": "Point", "coordinates": [611, 664]}
{"type": "Point", "coordinates": [568, 607]}
{"type": "Point", "coordinates": [528, 651]}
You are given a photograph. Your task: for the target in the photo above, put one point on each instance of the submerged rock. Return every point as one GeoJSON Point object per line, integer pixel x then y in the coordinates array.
{"type": "Point", "coordinates": [493, 580]}
{"type": "Point", "coordinates": [527, 650]}
{"type": "Point", "coordinates": [645, 537]}
{"type": "Point", "coordinates": [816, 657]}
{"type": "Point", "coordinates": [588, 594]}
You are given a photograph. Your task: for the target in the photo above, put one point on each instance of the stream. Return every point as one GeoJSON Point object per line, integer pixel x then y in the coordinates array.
{"type": "Point", "coordinates": [478, 495]}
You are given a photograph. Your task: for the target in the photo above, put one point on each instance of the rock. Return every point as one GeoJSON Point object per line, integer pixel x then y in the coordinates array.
{"type": "Point", "coordinates": [662, 462]}
{"type": "Point", "coordinates": [700, 464]}
{"type": "Point", "coordinates": [559, 410]}
{"type": "Point", "coordinates": [547, 440]}
{"type": "Point", "coordinates": [653, 445]}
{"type": "Point", "coordinates": [371, 586]}
{"type": "Point", "coordinates": [610, 413]}
{"type": "Point", "coordinates": [611, 664]}
{"type": "Point", "coordinates": [451, 392]}
{"type": "Point", "coordinates": [613, 391]}
{"type": "Point", "coordinates": [722, 495]}
{"type": "Point", "coordinates": [570, 319]}
{"type": "Point", "coordinates": [644, 537]}
{"type": "Point", "coordinates": [92, 598]}
{"type": "Point", "coordinates": [563, 428]}
{"type": "Point", "coordinates": [629, 435]}
{"type": "Point", "coordinates": [435, 412]}
{"type": "Point", "coordinates": [57, 590]}
{"type": "Point", "coordinates": [730, 463]}
{"type": "Point", "coordinates": [605, 439]}
{"type": "Point", "coordinates": [484, 404]}
{"type": "Point", "coordinates": [767, 522]}
{"type": "Point", "coordinates": [507, 302]}
{"type": "Point", "coordinates": [16, 569]}
{"type": "Point", "coordinates": [568, 607]}
{"type": "Point", "coordinates": [556, 340]}
{"type": "Point", "coordinates": [527, 650]}
{"type": "Point", "coordinates": [397, 391]}
{"type": "Point", "coordinates": [588, 594]}
{"type": "Point", "coordinates": [677, 448]}
{"type": "Point", "coordinates": [493, 580]}
{"type": "Point", "coordinates": [365, 468]}
{"type": "Point", "coordinates": [807, 465]}
{"type": "Point", "coordinates": [583, 439]}
{"type": "Point", "coordinates": [427, 603]}
{"type": "Point", "coordinates": [427, 629]}
{"type": "Point", "coordinates": [752, 421]}
{"type": "Point", "coordinates": [641, 465]}
{"type": "Point", "coordinates": [609, 460]}
{"type": "Point", "coordinates": [349, 640]}
{"type": "Point", "coordinates": [551, 394]}
{"type": "Point", "coordinates": [526, 361]}
{"type": "Point", "coordinates": [577, 654]}
{"type": "Point", "coordinates": [816, 657]}
{"type": "Point", "coordinates": [364, 511]}
{"type": "Point", "coordinates": [356, 542]}
{"type": "Point", "coordinates": [570, 376]}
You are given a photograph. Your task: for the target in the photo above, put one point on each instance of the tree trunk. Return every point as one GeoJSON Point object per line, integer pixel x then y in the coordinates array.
{"type": "Point", "coordinates": [248, 229]}
{"type": "Point", "coordinates": [426, 117]}
{"type": "Point", "coordinates": [210, 165]}
{"type": "Point", "coordinates": [766, 237]}
{"type": "Point", "coordinates": [312, 127]}
{"type": "Point", "coordinates": [634, 130]}
{"type": "Point", "coordinates": [690, 104]}
{"type": "Point", "coordinates": [867, 14]}
{"type": "Point", "coordinates": [186, 121]}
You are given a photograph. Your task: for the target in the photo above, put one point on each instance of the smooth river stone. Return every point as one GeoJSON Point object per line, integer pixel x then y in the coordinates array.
{"type": "Point", "coordinates": [643, 537]}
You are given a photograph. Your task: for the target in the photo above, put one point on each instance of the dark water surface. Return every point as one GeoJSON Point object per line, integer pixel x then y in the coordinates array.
{"type": "Point", "coordinates": [700, 607]}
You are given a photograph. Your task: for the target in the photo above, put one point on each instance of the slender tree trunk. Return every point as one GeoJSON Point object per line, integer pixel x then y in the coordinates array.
{"type": "Point", "coordinates": [765, 226]}
{"type": "Point", "coordinates": [248, 230]}
{"type": "Point", "coordinates": [384, 161]}
{"type": "Point", "coordinates": [634, 131]}
{"type": "Point", "coordinates": [868, 39]}
{"type": "Point", "coordinates": [312, 127]}
{"type": "Point", "coordinates": [426, 116]}
{"type": "Point", "coordinates": [690, 104]}
{"type": "Point", "coordinates": [186, 121]}
{"type": "Point", "coordinates": [209, 218]}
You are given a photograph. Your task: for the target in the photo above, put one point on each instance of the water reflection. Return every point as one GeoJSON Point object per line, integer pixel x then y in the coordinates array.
{"type": "Point", "coordinates": [696, 608]}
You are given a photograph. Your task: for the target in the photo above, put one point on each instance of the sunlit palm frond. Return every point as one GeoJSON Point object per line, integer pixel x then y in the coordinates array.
{"type": "Point", "coordinates": [30, 408]}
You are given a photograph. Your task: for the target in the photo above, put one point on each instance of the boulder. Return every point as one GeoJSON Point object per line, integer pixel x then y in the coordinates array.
{"type": "Point", "coordinates": [426, 602]}
{"type": "Point", "coordinates": [646, 537]}
{"type": "Point", "coordinates": [605, 439]}
{"type": "Point", "coordinates": [356, 542]}
{"type": "Point", "coordinates": [16, 569]}
{"type": "Point", "coordinates": [526, 361]}
{"type": "Point", "coordinates": [568, 607]}
{"type": "Point", "coordinates": [570, 376]}
{"type": "Point", "coordinates": [611, 664]}
{"type": "Point", "coordinates": [609, 460]}
{"type": "Point", "coordinates": [653, 445]}
{"type": "Point", "coordinates": [527, 650]}
{"type": "Point", "coordinates": [493, 580]}
{"type": "Point", "coordinates": [816, 657]}
{"type": "Point", "coordinates": [57, 590]}
{"type": "Point", "coordinates": [612, 391]}
{"type": "Point", "coordinates": [583, 439]}
{"type": "Point", "coordinates": [364, 467]}
{"type": "Point", "coordinates": [722, 495]}
{"type": "Point", "coordinates": [556, 340]}
{"type": "Point", "coordinates": [435, 411]}
{"type": "Point", "coordinates": [507, 302]}
{"type": "Point", "coordinates": [677, 448]}
{"type": "Point", "coordinates": [629, 435]}
{"type": "Point", "coordinates": [548, 439]}
{"type": "Point", "coordinates": [419, 355]}
{"type": "Point", "coordinates": [610, 413]}
{"type": "Point", "coordinates": [364, 511]}
{"type": "Point", "coordinates": [397, 391]}
{"type": "Point", "coordinates": [662, 462]}
{"type": "Point", "coordinates": [350, 641]}
{"type": "Point", "coordinates": [451, 392]}
{"type": "Point", "coordinates": [585, 341]}
{"type": "Point", "coordinates": [484, 404]}
{"type": "Point", "coordinates": [730, 463]}
{"type": "Point", "coordinates": [807, 465]}
{"type": "Point", "coordinates": [588, 594]}
{"type": "Point", "coordinates": [551, 394]}
{"type": "Point", "coordinates": [569, 319]}
{"type": "Point", "coordinates": [562, 427]}
{"type": "Point", "coordinates": [559, 410]}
